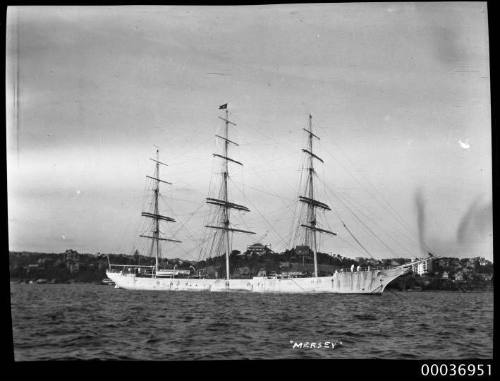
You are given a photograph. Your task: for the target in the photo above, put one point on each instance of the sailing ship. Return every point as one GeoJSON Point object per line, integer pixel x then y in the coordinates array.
{"type": "Point", "coordinates": [356, 281]}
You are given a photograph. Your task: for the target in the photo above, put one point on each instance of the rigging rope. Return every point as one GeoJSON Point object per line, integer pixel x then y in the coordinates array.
{"type": "Point", "coordinates": [406, 231]}
{"type": "Point", "coordinates": [369, 217]}
{"type": "Point", "coordinates": [344, 202]}
{"type": "Point", "coordinates": [258, 211]}
{"type": "Point", "coordinates": [295, 226]}
{"type": "Point", "coordinates": [357, 241]}
{"type": "Point", "coordinates": [366, 227]}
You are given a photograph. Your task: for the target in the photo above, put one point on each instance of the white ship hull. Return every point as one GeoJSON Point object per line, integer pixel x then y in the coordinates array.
{"type": "Point", "coordinates": [359, 282]}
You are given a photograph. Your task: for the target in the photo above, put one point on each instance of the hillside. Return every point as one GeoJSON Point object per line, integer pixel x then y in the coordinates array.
{"type": "Point", "coordinates": [71, 266]}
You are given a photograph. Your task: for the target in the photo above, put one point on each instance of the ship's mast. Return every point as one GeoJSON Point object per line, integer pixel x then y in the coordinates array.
{"type": "Point", "coordinates": [310, 227]}
{"type": "Point", "coordinates": [225, 193]}
{"type": "Point", "coordinates": [156, 232]}
{"type": "Point", "coordinates": [223, 203]}
{"type": "Point", "coordinates": [156, 216]}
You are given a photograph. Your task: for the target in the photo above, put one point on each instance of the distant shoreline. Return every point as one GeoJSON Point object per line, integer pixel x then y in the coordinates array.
{"type": "Point", "coordinates": [451, 274]}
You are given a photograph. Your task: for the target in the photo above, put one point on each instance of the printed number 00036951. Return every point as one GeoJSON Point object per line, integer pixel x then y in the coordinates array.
{"type": "Point", "coordinates": [456, 370]}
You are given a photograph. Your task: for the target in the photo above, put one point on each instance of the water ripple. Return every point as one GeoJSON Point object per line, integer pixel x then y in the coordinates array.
{"type": "Point", "coordinates": [89, 322]}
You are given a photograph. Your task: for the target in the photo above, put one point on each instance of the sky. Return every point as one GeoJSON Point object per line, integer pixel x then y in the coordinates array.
{"type": "Point", "coordinates": [399, 94]}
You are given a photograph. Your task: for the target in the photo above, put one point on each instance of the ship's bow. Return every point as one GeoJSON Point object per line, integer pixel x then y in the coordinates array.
{"type": "Point", "coordinates": [387, 276]}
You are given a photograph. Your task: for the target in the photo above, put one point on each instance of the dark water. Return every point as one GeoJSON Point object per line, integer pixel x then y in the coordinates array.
{"type": "Point", "coordinates": [101, 322]}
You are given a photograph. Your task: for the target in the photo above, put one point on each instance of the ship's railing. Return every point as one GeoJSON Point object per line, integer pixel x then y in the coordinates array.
{"type": "Point", "coordinates": [369, 268]}
{"type": "Point", "coordinates": [111, 265]}
{"type": "Point", "coordinates": [145, 270]}
{"type": "Point", "coordinates": [131, 269]}
{"type": "Point", "coordinates": [338, 270]}
{"type": "Point", "coordinates": [359, 269]}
